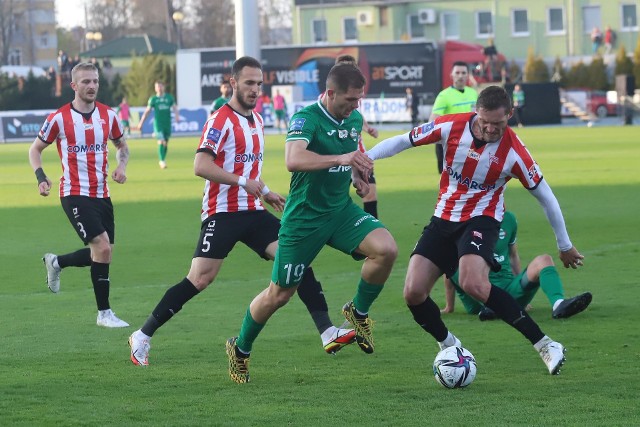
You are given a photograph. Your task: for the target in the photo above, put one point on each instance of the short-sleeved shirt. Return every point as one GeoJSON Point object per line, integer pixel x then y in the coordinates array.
{"type": "Point", "coordinates": [518, 98]}
{"type": "Point", "coordinates": [453, 101]}
{"type": "Point", "coordinates": [316, 194]}
{"type": "Point", "coordinates": [236, 143]}
{"type": "Point", "coordinates": [161, 110]}
{"type": "Point", "coordinates": [82, 146]}
{"type": "Point", "coordinates": [476, 173]}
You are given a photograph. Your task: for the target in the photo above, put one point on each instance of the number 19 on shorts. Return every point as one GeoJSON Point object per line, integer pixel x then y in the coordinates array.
{"type": "Point", "coordinates": [296, 272]}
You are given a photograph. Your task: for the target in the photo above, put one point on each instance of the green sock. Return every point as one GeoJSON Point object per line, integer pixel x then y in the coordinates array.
{"type": "Point", "coordinates": [165, 148]}
{"type": "Point", "coordinates": [551, 284]}
{"type": "Point", "coordinates": [366, 295]}
{"type": "Point", "coordinates": [160, 155]}
{"type": "Point", "coordinates": [248, 332]}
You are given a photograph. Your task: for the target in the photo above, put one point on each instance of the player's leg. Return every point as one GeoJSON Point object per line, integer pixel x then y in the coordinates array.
{"type": "Point", "coordinates": [54, 264]}
{"type": "Point", "coordinates": [295, 251]}
{"type": "Point", "coordinates": [364, 237]}
{"type": "Point", "coordinates": [476, 247]}
{"type": "Point", "coordinates": [370, 201]}
{"type": "Point", "coordinates": [542, 272]}
{"type": "Point", "coordinates": [162, 147]}
{"type": "Point", "coordinates": [433, 255]}
{"type": "Point", "coordinates": [218, 235]}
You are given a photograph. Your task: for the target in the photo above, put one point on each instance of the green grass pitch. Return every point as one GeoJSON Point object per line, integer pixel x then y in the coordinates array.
{"type": "Point", "coordinates": [58, 368]}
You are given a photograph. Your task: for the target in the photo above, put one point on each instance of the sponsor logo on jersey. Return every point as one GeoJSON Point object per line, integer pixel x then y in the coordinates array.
{"type": "Point", "coordinates": [473, 155]}
{"type": "Point", "coordinates": [420, 131]}
{"type": "Point", "coordinates": [214, 135]}
{"type": "Point", "coordinates": [331, 132]}
{"type": "Point", "coordinates": [341, 168]}
{"type": "Point", "coordinates": [533, 171]}
{"type": "Point", "coordinates": [44, 128]}
{"type": "Point", "coordinates": [498, 258]}
{"type": "Point", "coordinates": [93, 148]}
{"type": "Point", "coordinates": [343, 133]}
{"type": "Point", "coordinates": [364, 218]}
{"type": "Point", "coordinates": [468, 182]}
{"type": "Point", "coordinates": [248, 158]}
{"type": "Point", "coordinates": [88, 126]}
{"type": "Point", "coordinates": [295, 132]}
{"type": "Point", "coordinates": [477, 234]}
{"type": "Point", "coordinates": [297, 124]}
{"type": "Point", "coordinates": [354, 133]}
{"type": "Point", "coordinates": [502, 234]}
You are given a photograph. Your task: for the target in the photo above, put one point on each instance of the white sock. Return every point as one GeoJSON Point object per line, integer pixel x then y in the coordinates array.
{"type": "Point", "coordinates": [142, 335]}
{"type": "Point", "coordinates": [449, 340]}
{"type": "Point", "coordinates": [557, 303]}
{"type": "Point", "coordinates": [328, 334]}
{"type": "Point", "coordinates": [544, 341]}
{"type": "Point", "coordinates": [359, 312]}
{"type": "Point", "coordinates": [55, 264]}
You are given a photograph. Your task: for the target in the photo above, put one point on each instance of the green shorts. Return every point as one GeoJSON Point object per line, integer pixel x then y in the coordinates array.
{"type": "Point", "coordinates": [162, 134]}
{"type": "Point", "coordinates": [125, 123]}
{"type": "Point", "coordinates": [280, 114]}
{"type": "Point", "coordinates": [299, 245]}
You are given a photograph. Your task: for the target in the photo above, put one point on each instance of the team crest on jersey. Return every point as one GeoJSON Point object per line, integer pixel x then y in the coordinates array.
{"type": "Point", "coordinates": [502, 234]}
{"type": "Point", "coordinates": [214, 135]}
{"type": "Point", "coordinates": [419, 131]}
{"type": "Point", "coordinates": [473, 155]}
{"type": "Point", "coordinates": [296, 124]}
{"type": "Point", "coordinates": [354, 133]}
{"type": "Point", "coordinates": [343, 133]}
{"type": "Point", "coordinates": [493, 159]}
{"type": "Point", "coordinates": [88, 126]}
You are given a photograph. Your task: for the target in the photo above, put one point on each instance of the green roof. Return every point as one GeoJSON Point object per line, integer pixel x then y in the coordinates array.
{"type": "Point", "coordinates": [132, 45]}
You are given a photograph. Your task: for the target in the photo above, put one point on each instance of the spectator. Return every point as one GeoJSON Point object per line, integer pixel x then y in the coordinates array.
{"type": "Point", "coordinates": [596, 39]}
{"type": "Point", "coordinates": [609, 39]}
{"type": "Point", "coordinates": [106, 63]}
{"type": "Point", "coordinates": [518, 104]}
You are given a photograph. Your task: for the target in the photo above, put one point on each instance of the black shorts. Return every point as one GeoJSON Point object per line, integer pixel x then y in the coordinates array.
{"type": "Point", "coordinates": [444, 242]}
{"type": "Point", "coordinates": [90, 216]}
{"type": "Point", "coordinates": [220, 232]}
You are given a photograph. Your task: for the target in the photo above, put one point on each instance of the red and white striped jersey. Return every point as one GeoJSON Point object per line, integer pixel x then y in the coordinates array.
{"type": "Point", "coordinates": [82, 147]}
{"type": "Point", "coordinates": [475, 175]}
{"type": "Point", "coordinates": [237, 145]}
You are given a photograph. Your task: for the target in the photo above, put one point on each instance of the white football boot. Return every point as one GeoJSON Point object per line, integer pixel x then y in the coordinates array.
{"type": "Point", "coordinates": [53, 272]}
{"type": "Point", "coordinates": [108, 319]}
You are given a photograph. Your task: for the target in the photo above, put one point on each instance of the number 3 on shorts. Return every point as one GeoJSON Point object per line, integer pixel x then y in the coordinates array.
{"type": "Point", "coordinates": [81, 230]}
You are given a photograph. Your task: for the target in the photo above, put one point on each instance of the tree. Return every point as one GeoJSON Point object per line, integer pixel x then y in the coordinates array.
{"type": "Point", "coordinates": [598, 74]}
{"type": "Point", "coordinates": [110, 17]}
{"type": "Point", "coordinates": [515, 72]}
{"type": "Point", "coordinates": [535, 70]}
{"type": "Point", "coordinates": [144, 71]}
{"type": "Point", "coordinates": [6, 29]}
{"type": "Point", "coordinates": [578, 76]}
{"type": "Point", "coordinates": [207, 29]}
{"type": "Point", "coordinates": [559, 73]}
{"type": "Point", "coordinates": [623, 63]}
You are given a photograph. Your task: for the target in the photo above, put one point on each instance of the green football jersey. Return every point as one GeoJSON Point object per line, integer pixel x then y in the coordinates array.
{"type": "Point", "coordinates": [161, 110]}
{"type": "Point", "coordinates": [452, 101]}
{"type": "Point", "coordinates": [314, 195]}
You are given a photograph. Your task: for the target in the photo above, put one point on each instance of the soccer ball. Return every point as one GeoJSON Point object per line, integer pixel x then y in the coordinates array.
{"type": "Point", "coordinates": [454, 367]}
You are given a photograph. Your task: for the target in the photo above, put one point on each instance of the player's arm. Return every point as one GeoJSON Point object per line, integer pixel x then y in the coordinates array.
{"type": "Point", "coordinates": [35, 159]}
{"type": "Point", "coordinates": [390, 147]}
{"type": "Point", "coordinates": [143, 118]}
{"type": "Point", "coordinates": [274, 199]}
{"type": "Point", "coordinates": [514, 259]}
{"type": "Point", "coordinates": [450, 296]}
{"type": "Point", "coordinates": [119, 175]}
{"type": "Point", "coordinates": [569, 255]}
{"type": "Point", "coordinates": [368, 128]}
{"type": "Point", "coordinates": [298, 159]}
{"type": "Point", "coordinates": [360, 183]}
{"type": "Point", "coordinates": [204, 167]}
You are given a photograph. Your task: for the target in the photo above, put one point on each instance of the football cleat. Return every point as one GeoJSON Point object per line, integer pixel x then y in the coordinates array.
{"type": "Point", "coordinates": [339, 339]}
{"type": "Point", "coordinates": [238, 366]}
{"type": "Point", "coordinates": [53, 273]}
{"type": "Point", "coordinates": [108, 319]}
{"type": "Point", "coordinates": [362, 326]}
{"type": "Point", "coordinates": [553, 356]}
{"type": "Point", "coordinates": [140, 347]}
{"type": "Point", "coordinates": [572, 306]}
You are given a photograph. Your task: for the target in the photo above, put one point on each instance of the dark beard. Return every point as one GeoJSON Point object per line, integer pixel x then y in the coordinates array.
{"type": "Point", "coordinates": [244, 104]}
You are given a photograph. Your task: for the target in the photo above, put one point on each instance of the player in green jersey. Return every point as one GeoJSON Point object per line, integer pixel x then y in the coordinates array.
{"type": "Point", "coordinates": [161, 104]}
{"type": "Point", "coordinates": [225, 96]}
{"type": "Point", "coordinates": [321, 151]}
{"type": "Point", "coordinates": [457, 98]}
{"type": "Point", "coordinates": [522, 284]}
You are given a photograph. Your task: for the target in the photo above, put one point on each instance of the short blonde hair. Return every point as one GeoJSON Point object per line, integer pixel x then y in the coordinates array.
{"type": "Point", "coordinates": [83, 66]}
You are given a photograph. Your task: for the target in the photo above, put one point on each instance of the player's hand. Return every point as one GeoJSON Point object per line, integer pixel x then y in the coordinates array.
{"type": "Point", "coordinates": [571, 258]}
{"type": "Point", "coordinates": [138, 128]}
{"type": "Point", "coordinates": [275, 200]}
{"type": "Point", "coordinates": [44, 188]}
{"type": "Point", "coordinates": [372, 131]}
{"type": "Point", "coordinates": [359, 161]}
{"type": "Point", "coordinates": [119, 175]}
{"type": "Point", "coordinates": [362, 186]}
{"type": "Point", "coordinates": [253, 187]}
{"type": "Point", "coordinates": [446, 310]}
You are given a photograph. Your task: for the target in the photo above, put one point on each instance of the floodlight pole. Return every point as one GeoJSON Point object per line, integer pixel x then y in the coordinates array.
{"type": "Point", "coordinates": [247, 29]}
